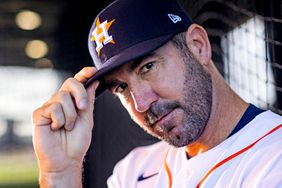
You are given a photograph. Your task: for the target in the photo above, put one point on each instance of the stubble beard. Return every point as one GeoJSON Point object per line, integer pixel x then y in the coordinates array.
{"type": "Point", "coordinates": [197, 92]}
{"type": "Point", "coordinates": [196, 105]}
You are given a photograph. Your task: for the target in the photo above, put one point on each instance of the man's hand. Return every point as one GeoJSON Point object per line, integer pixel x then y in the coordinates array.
{"type": "Point", "coordinates": [63, 129]}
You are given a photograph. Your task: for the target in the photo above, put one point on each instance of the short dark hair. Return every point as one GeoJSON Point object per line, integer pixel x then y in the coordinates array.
{"type": "Point", "coordinates": [179, 41]}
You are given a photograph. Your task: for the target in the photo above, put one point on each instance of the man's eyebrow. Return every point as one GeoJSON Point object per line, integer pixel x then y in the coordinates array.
{"type": "Point", "coordinates": [138, 61]}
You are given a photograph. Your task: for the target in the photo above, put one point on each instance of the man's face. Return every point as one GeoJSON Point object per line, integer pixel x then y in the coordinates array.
{"type": "Point", "coordinates": [167, 93]}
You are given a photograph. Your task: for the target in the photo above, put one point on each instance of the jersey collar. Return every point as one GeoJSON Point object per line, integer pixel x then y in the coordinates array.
{"type": "Point", "coordinates": [251, 112]}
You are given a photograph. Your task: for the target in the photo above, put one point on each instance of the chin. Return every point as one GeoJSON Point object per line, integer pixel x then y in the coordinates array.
{"type": "Point", "coordinates": [181, 137]}
{"type": "Point", "coordinates": [177, 143]}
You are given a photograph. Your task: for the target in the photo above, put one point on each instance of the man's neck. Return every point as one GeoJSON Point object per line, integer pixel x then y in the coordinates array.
{"type": "Point", "coordinates": [227, 110]}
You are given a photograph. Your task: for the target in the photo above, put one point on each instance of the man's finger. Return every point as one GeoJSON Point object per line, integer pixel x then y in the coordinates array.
{"type": "Point", "coordinates": [91, 94]}
{"type": "Point", "coordinates": [91, 90]}
{"type": "Point", "coordinates": [86, 73]}
{"type": "Point", "coordinates": [57, 116]}
{"type": "Point", "coordinates": [64, 98]}
{"type": "Point", "coordinates": [77, 91]}
{"type": "Point", "coordinates": [50, 114]}
{"type": "Point", "coordinates": [38, 118]}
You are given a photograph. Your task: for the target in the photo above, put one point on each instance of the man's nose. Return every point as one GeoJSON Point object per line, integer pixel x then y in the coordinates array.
{"type": "Point", "coordinates": [143, 97]}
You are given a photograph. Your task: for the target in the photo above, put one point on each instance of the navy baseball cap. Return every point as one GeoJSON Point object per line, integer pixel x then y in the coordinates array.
{"type": "Point", "coordinates": [129, 29]}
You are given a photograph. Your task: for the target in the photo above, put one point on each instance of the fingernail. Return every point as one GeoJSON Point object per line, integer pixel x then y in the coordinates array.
{"type": "Point", "coordinates": [83, 103]}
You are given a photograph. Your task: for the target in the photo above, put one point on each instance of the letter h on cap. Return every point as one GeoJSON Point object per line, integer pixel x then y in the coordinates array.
{"type": "Point", "coordinates": [101, 36]}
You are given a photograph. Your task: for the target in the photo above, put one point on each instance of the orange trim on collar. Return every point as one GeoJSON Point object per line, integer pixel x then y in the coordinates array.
{"type": "Point", "coordinates": [168, 172]}
{"type": "Point", "coordinates": [235, 155]}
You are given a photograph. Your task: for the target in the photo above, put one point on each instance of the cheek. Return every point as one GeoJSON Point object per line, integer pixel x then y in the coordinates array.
{"type": "Point", "coordinates": [170, 85]}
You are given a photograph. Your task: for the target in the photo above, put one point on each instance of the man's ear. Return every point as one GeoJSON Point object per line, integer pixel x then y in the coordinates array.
{"type": "Point", "coordinates": [198, 42]}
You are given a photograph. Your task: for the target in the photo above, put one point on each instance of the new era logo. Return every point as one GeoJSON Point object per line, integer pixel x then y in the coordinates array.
{"type": "Point", "coordinates": [174, 18]}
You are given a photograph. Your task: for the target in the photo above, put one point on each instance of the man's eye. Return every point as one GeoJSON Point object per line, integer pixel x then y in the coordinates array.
{"type": "Point", "coordinates": [121, 88]}
{"type": "Point", "coordinates": [146, 68]}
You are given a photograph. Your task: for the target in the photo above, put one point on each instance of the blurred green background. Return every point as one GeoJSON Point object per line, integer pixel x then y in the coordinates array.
{"type": "Point", "coordinates": [18, 169]}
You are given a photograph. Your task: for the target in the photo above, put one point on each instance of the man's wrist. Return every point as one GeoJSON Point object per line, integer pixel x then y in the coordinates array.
{"type": "Point", "coordinates": [69, 178]}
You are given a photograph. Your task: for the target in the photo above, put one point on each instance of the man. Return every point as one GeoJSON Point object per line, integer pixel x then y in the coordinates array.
{"type": "Point", "coordinates": [158, 63]}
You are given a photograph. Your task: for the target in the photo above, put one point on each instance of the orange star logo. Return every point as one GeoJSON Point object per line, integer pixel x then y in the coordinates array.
{"type": "Point", "coordinates": [101, 36]}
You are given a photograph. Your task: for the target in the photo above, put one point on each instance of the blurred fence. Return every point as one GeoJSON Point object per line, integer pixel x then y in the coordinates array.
{"type": "Point", "coordinates": [246, 41]}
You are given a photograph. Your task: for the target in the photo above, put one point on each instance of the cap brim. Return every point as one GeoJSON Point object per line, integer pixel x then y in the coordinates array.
{"type": "Point", "coordinates": [127, 55]}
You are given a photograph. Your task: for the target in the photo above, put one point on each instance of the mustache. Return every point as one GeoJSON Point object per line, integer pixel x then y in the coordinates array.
{"type": "Point", "coordinates": [158, 110]}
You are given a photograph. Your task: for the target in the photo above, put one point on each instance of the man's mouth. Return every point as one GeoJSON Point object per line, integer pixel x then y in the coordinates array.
{"type": "Point", "coordinates": [158, 114]}
{"type": "Point", "coordinates": [153, 119]}
{"type": "Point", "coordinates": [162, 122]}
{"type": "Point", "coordinates": [162, 117]}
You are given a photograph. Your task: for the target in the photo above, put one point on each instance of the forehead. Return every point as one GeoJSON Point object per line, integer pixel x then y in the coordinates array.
{"type": "Point", "coordinates": [129, 67]}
